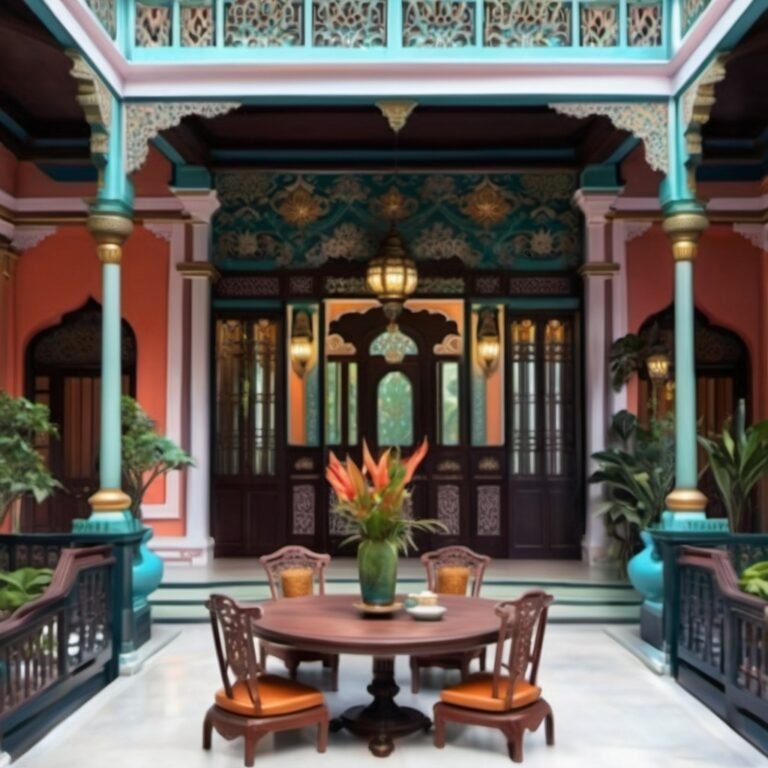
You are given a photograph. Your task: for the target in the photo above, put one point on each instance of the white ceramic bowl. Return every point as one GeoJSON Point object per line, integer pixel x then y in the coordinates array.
{"type": "Point", "coordinates": [427, 612]}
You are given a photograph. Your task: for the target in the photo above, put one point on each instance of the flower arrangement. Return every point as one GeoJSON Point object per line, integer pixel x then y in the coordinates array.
{"type": "Point", "coordinates": [372, 498]}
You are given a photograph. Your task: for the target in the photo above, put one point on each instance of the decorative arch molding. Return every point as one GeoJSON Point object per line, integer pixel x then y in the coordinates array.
{"type": "Point", "coordinates": [714, 345]}
{"type": "Point", "coordinates": [647, 120]}
{"type": "Point", "coordinates": [75, 341]}
{"type": "Point", "coordinates": [144, 120]}
{"type": "Point", "coordinates": [697, 101]}
{"type": "Point", "coordinates": [95, 99]}
{"type": "Point", "coordinates": [427, 328]}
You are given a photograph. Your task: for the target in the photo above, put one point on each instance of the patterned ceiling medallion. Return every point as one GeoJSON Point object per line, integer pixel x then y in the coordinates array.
{"type": "Point", "coordinates": [300, 206]}
{"type": "Point", "coordinates": [486, 204]}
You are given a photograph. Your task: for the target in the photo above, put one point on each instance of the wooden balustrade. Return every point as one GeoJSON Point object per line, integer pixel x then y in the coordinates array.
{"type": "Point", "coordinates": [720, 653]}
{"type": "Point", "coordinates": [58, 650]}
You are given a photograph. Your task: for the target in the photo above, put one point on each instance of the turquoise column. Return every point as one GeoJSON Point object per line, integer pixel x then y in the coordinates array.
{"type": "Point", "coordinates": [684, 221]}
{"type": "Point", "coordinates": [110, 222]}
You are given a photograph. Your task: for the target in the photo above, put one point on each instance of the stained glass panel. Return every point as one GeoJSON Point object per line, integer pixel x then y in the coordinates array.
{"type": "Point", "coordinates": [352, 404]}
{"type": "Point", "coordinates": [523, 407]}
{"type": "Point", "coordinates": [448, 403]}
{"type": "Point", "coordinates": [394, 412]}
{"type": "Point", "coordinates": [393, 346]}
{"type": "Point", "coordinates": [332, 401]}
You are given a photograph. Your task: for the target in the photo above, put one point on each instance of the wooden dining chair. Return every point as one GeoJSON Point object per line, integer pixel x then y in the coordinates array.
{"type": "Point", "coordinates": [508, 698]}
{"type": "Point", "coordinates": [252, 703]}
{"type": "Point", "coordinates": [297, 572]}
{"type": "Point", "coordinates": [453, 570]}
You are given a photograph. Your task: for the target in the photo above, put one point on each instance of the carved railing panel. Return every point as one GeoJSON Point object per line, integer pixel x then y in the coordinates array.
{"type": "Point", "coordinates": [402, 24]}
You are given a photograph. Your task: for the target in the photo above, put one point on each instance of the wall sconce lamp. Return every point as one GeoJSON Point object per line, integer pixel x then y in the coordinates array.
{"type": "Point", "coordinates": [488, 342]}
{"type": "Point", "coordinates": [301, 342]}
{"type": "Point", "coordinates": [658, 366]}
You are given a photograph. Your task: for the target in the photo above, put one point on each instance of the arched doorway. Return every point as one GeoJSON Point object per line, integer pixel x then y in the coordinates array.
{"type": "Point", "coordinates": [63, 370]}
{"type": "Point", "coordinates": [722, 380]}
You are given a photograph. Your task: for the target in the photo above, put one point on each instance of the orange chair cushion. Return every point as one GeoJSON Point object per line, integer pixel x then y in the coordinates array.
{"type": "Point", "coordinates": [277, 696]}
{"type": "Point", "coordinates": [477, 693]}
{"type": "Point", "coordinates": [296, 582]}
{"type": "Point", "coordinates": [452, 580]}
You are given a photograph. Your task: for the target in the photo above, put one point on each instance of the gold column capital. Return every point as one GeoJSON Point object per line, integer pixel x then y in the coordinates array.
{"type": "Point", "coordinates": [110, 500]}
{"type": "Point", "coordinates": [684, 229]}
{"type": "Point", "coordinates": [686, 500]}
{"type": "Point", "coordinates": [197, 270]}
{"type": "Point", "coordinates": [110, 231]}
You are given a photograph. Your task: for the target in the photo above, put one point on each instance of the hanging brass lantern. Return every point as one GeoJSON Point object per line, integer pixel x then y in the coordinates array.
{"type": "Point", "coordinates": [392, 275]}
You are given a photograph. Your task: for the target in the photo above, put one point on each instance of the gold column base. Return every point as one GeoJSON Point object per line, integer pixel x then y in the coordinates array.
{"type": "Point", "coordinates": [110, 500]}
{"type": "Point", "coordinates": [686, 500]}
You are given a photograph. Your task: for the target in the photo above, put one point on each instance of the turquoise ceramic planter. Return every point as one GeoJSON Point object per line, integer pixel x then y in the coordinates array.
{"type": "Point", "coordinates": [377, 567]}
{"type": "Point", "coordinates": [147, 571]}
{"type": "Point", "coordinates": [646, 571]}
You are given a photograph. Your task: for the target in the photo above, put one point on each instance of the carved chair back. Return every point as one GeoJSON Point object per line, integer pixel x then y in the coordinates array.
{"type": "Point", "coordinates": [235, 643]}
{"type": "Point", "coordinates": [295, 571]}
{"type": "Point", "coordinates": [450, 570]}
{"type": "Point", "coordinates": [521, 635]}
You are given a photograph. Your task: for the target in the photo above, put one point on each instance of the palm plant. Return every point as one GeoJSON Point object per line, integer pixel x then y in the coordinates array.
{"type": "Point", "coordinates": [737, 463]}
{"type": "Point", "coordinates": [637, 474]}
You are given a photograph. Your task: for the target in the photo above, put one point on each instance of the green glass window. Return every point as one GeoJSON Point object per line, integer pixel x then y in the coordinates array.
{"type": "Point", "coordinates": [332, 403]}
{"type": "Point", "coordinates": [394, 418]}
{"type": "Point", "coordinates": [448, 403]}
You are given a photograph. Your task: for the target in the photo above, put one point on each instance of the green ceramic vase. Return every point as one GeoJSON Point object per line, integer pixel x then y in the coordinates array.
{"type": "Point", "coordinates": [377, 565]}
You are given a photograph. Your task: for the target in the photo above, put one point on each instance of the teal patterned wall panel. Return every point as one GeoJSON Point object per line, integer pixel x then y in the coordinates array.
{"type": "Point", "coordinates": [520, 221]}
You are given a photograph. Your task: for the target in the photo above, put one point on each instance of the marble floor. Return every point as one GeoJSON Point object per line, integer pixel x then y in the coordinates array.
{"type": "Point", "coordinates": [610, 711]}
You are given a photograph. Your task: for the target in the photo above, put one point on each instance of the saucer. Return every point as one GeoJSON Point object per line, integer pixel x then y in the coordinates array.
{"type": "Point", "coordinates": [427, 612]}
{"type": "Point", "coordinates": [378, 610]}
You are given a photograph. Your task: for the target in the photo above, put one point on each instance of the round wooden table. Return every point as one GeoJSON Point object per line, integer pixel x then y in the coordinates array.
{"type": "Point", "coordinates": [331, 623]}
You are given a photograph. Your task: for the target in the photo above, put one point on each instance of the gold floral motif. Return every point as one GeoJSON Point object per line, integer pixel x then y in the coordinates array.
{"type": "Point", "coordinates": [393, 205]}
{"type": "Point", "coordinates": [486, 204]}
{"type": "Point", "coordinates": [300, 206]}
{"type": "Point", "coordinates": [542, 243]}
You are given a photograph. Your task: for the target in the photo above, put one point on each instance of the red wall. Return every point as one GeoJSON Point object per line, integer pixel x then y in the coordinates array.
{"type": "Point", "coordinates": [727, 284]}
{"type": "Point", "coordinates": [62, 272]}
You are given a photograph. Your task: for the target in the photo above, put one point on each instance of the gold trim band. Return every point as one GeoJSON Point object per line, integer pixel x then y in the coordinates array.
{"type": "Point", "coordinates": [684, 230]}
{"type": "Point", "coordinates": [110, 500]}
{"type": "Point", "coordinates": [599, 269]}
{"type": "Point", "coordinates": [198, 269]}
{"type": "Point", "coordinates": [686, 500]}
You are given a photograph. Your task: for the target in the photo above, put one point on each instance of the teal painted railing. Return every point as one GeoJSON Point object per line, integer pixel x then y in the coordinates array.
{"type": "Point", "coordinates": [395, 30]}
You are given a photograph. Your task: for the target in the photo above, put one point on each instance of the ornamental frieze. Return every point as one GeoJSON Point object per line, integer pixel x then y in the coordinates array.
{"type": "Point", "coordinates": [481, 220]}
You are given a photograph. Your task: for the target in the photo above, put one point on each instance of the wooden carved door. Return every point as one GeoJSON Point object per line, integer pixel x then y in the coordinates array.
{"type": "Point", "coordinates": [247, 512]}
{"type": "Point", "coordinates": [544, 453]}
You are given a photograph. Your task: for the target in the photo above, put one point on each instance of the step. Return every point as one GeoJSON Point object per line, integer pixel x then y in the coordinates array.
{"type": "Point", "coordinates": [575, 602]}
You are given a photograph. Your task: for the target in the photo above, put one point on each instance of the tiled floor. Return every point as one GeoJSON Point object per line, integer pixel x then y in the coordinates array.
{"type": "Point", "coordinates": [610, 711]}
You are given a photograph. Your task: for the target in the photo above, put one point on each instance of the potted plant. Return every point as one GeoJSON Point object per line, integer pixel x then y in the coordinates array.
{"type": "Point", "coordinates": [375, 512]}
{"type": "Point", "coordinates": [638, 474]}
{"type": "Point", "coordinates": [20, 587]}
{"type": "Point", "coordinates": [146, 456]}
{"type": "Point", "coordinates": [22, 469]}
{"type": "Point", "coordinates": [737, 463]}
